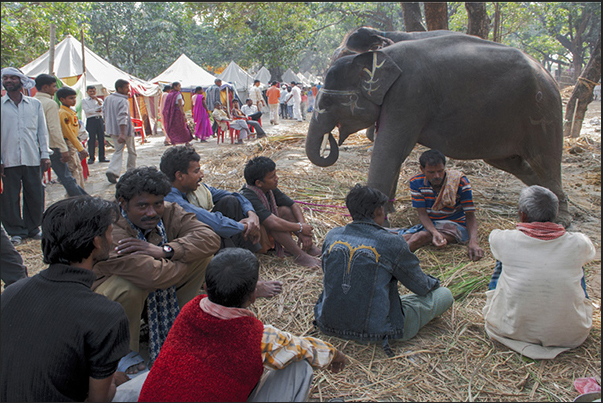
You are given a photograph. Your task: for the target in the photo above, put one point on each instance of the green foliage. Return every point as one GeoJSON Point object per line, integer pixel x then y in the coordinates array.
{"type": "Point", "coordinates": [26, 28]}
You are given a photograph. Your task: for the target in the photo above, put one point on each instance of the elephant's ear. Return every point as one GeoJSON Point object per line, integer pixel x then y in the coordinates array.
{"type": "Point", "coordinates": [377, 74]}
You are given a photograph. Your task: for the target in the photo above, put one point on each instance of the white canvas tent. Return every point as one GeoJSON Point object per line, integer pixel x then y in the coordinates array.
{"type": "Point", "coordinates": [239, 78]}
{"type": "Point", "coordinates": [100, 73]}
{"type": "Point", "coordinates": [289, 76]}
{"type": "Point", "coordinates": [263, 75]}
{"type": "Point", "coordinates": [188, 73]}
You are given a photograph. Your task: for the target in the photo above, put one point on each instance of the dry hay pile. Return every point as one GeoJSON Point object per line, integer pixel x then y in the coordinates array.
{"type": "Point", "coordinates": [452, 359]}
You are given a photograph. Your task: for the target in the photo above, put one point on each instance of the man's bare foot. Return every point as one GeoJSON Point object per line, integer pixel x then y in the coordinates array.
{"type": "Point", "coordinates": [268, 289]}
{"type": "Point", "coordinates": [314, 251]}
{"type": "Point", "coordinates": [306, 260]}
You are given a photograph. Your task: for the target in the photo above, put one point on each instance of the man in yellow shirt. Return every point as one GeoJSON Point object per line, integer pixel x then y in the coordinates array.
{"type": "Point", "coordinates": [70, 127]}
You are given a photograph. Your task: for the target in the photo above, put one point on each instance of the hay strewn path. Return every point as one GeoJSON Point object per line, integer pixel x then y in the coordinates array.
{"type": "Point", "coordinates": [452, 359]}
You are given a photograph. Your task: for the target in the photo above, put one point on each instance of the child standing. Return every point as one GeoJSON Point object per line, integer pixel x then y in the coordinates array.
{"type": "Point", "coordinates": [70, 126]}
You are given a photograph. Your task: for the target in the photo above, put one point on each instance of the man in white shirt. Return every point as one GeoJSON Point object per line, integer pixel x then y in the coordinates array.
{"type": "Point", "coordinates": [119, 126]}
{"type": "Point", "coordinates": [60, 157]}
{"type": "Point", "coordinates": [255, 93]}
{"type": "Point", "coordinates": [251, 111]}
{"type": "Point", "coordinates": [93, 107]}
{"type": "Point", "coordinates": [25, 156]}
{"type": "Point", "coordinates": [296, 94]}
{"type": "Point", "coordinates": [537, 303]}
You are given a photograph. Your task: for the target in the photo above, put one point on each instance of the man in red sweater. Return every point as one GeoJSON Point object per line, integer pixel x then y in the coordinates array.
{"type": "Point", "coordinates": [217, 349]}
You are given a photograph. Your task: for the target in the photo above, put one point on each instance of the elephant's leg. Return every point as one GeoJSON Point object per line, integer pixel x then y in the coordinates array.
{"type": "Point", "coordinates": [390, 150]}
{"type": "Point", "coordinates": [540, 170]}
{"type": "Point", "coordinates": [548, 170]}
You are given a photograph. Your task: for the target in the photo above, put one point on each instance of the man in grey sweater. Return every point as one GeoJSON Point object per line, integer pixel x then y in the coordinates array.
{"type": "Point", "coordinates": [118, 125]}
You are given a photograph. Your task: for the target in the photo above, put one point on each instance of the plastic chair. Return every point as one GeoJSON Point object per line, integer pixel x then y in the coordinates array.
{"type": "Point", "coordinates": [138, 128]}
{"type": "Point", "coordinates": [233, 133]}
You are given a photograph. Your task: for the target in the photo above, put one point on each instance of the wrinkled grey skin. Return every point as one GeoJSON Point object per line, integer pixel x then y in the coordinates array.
{"type": "Point", "coordinates": [366, 39]}
{"type": "Point", "coordinates": [467, 97]}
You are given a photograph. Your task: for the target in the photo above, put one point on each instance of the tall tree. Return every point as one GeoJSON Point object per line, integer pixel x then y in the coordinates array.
{"type": "Point", "coordinates": [413, 20]}
{"type": "Point", "coordinates": [436, 16]}
{"type": "Point", "coordinates": [583, 94]}
{"type": "Point", "coordinates": [479, 22]}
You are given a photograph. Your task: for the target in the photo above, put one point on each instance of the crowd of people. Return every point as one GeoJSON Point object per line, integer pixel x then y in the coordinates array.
{"type": "Point", "coordinates": [291, 102]}
{"type": "Point", "coordinates": [178, 258]}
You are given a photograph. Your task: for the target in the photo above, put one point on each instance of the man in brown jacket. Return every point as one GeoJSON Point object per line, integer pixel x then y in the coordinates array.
{"type": "Point", "coordinates": [160, 253]}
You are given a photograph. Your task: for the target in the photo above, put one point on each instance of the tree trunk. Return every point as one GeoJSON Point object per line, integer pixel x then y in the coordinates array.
{"type": "Point", "coordinates": [436, 16]}
{"type": "Point", "coordinates": [496, 33]}
{"type": "Point", "coordinates": [582, 94]}
{"type": "Point", "coordinates": [479, 23]}
{"type": "Point", "coordinates": [412, 17]}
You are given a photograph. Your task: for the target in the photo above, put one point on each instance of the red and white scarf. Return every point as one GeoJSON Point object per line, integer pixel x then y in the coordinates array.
{"type": "Point", "coordinates": [545, 231]}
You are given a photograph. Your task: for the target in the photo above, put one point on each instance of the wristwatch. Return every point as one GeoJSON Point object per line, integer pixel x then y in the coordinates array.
{"type": "Point", "coordinates": [169, 251]}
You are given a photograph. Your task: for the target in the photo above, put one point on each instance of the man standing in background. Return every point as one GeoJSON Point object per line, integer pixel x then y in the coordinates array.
{"type": "Point", "coordinates": [25, 156]}
{"type": "Point", "coordinates": [47, 87]}
{"type": "Point", "coordinates": [95, 125]}
{"type": "Point", "coordinates": [120, 128]}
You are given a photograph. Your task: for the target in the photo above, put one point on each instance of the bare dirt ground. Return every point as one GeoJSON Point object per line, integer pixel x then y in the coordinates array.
{"type": "Point", "coordinates": [452, 359]}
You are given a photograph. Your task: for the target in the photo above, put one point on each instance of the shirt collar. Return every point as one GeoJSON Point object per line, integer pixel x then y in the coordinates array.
{"type": "Point", "coordinates": [42, 95]}
{"type": "Point", "coordinates": [63, 273]}
{"type": "Point", "coordinates": [6, 99]}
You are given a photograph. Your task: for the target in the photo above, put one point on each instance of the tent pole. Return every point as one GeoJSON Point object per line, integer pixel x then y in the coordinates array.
{"type": "Point", "coordinates": [51, 50]}
{"type": "Point", "coordinates": [83, 58]}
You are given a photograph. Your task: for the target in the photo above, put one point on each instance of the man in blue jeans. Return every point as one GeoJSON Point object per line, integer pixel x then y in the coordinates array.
{"type": "Point", "coordinates": [362, 264]}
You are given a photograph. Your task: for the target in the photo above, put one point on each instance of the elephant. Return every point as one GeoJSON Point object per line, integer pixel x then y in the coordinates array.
{"type": "Point", "coordinates": [465, 96]}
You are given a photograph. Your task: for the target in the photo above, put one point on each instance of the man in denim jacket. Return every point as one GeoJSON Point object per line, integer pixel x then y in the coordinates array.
{"type": "Point", "coordinates": [362, 264]}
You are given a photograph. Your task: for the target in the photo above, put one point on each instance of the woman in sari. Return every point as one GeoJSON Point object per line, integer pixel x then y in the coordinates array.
{"type": "Point", "coordinates": [203, 129]}
{"type": "Point", "coordinates": [175, 120]}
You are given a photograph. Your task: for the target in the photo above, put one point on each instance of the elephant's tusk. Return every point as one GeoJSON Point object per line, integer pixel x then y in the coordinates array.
{"type": "Point", "coordinates": [325, 142]}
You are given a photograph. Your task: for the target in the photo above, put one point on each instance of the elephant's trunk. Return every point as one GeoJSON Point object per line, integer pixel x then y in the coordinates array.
{"type": "Point", "coordinates": [314, 146]}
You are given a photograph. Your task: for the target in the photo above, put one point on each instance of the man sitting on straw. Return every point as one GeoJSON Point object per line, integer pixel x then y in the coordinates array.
{"type": "Point", "coordinates": [539, 319]}
{"type": "Point", "coordinates": [229, 214]}
{"type": "Point", "coordinates": [217, 349]}
{"type": "Point", "coordinates": [444, 203]}
{"type": "Point", "coordinates": [280, 217]}
{"type": "Point", "coordinates": [362, 264]}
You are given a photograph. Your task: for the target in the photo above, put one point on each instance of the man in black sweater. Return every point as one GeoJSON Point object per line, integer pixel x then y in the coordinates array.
{"type": "Point", "coordinates": [59, 340]}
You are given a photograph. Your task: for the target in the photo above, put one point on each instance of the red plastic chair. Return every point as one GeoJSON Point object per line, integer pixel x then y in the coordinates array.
{"type": "Point", "coordinates": [233, 133]}
{"type": "Point", "coordinates": [138, 128]}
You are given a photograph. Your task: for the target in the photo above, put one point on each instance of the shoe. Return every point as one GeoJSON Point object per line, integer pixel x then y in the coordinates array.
{"type": "Point", "coordinates": [37, 236]}
{"type": "Point", "coordinates": [111, 177]}
{"type": "Point", "coordinates": [239, 142]}
{"type": "Point", "coordinates": [90, 162]}
{"type": "Point", "coordinates": [203, 141]}
{"type": "Point", "coordinates": [16, 240]}
{"type": "Point", "coordinates": [104, 160]}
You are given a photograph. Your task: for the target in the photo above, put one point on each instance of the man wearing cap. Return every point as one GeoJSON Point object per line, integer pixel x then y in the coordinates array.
{"type": "Point", "coordinates": [25, 156]}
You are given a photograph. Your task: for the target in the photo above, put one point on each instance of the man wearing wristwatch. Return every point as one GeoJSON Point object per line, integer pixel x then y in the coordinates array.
{"type": "Point", "coordinates": [159, 254]}
{"type": "Point", "coordinates": [279, 215]}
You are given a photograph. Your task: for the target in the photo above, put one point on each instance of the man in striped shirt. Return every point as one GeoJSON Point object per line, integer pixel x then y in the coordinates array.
{"type": "Point", "coordinates": [444, 203]}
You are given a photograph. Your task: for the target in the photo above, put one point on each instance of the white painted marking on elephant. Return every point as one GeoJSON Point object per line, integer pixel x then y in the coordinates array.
{"type": "Point", "coordinates": [325, 142]}
{"type": "Point", "coordinates": [371, 74]}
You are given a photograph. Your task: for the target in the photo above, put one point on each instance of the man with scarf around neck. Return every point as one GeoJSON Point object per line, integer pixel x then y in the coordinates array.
{"type": "Point", "coordinates": [537, 303]}
{"type": "Point", "coordinates": [218, 351]}
{"type": "Point", "coordinates": [60, 341]}
{"type": "Point", "coordinates": [444, 204]}
{"type": "Point", "coordinates": [159, 255]}
{"type": "Point", "coordinates": [280, 217]}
